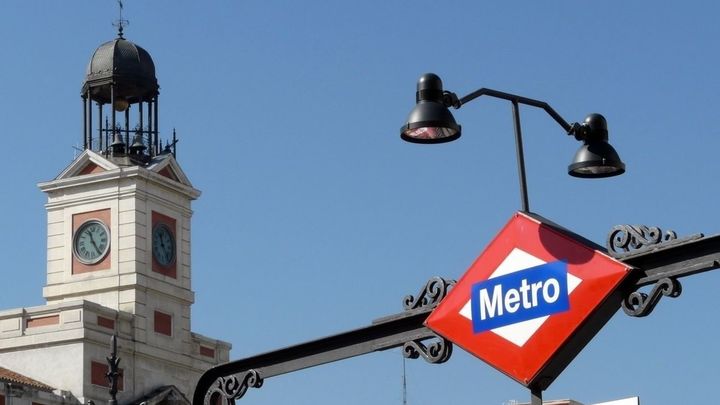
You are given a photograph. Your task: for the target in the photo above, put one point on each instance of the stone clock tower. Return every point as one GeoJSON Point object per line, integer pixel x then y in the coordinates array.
{"type": "Point", "coordinates": [118, 252]}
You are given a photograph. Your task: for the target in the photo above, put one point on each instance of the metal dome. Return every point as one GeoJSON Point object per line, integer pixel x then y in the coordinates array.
{"type": "Point", "coordinates": [125, 64]}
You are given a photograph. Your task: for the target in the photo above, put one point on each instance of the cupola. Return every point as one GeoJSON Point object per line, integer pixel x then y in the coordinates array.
{"type": "Point", "coordinates": [121, 76]}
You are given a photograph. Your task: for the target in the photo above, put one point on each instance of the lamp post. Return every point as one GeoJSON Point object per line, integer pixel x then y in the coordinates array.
{"type": "Point", "coordinates": [432, 122]}
{"type": "Point", "coordinates": [657, 259]}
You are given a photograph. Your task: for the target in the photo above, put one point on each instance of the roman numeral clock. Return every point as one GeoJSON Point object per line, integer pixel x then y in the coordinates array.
{"type": "Point", "coordinates": [163, 245]}
{"type": "Point", "coordinates": [91, 242]}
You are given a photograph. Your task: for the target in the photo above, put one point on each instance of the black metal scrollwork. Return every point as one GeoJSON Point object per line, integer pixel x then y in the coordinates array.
{"type": "Point", "coordinates": [639, 304]}
{"type": "Point", "coordinates": [235, 386]}
{"type": "Point", "coordinates": [436, 352]}
{"type": "Point", "coordinates": [624, 239]}
{"type": "Point", "coordinates": [430, 296]}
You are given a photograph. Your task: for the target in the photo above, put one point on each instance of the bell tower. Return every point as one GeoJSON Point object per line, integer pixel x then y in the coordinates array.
{"type": "Point", "coordinates": [119, 215]}
{"type": "Point", "coordinates": [118, 249]}
{"type": "Point", "coordinates": [121, 77]}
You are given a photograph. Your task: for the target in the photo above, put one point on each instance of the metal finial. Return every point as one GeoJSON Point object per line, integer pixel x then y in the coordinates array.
{"type": "Point", "coordinates": [174, 144]}
{"type": "Point", "coordinates": [121, 23]}
{"type": "Point", "coordinates": [113, 373]}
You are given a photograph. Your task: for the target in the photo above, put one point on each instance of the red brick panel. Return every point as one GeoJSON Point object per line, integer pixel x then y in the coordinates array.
{"type": "Point", "coordinates": [163, 323]}
{"type": "Point", "coordinates": [91, 168]}
{"type": "Point", "coordinates": [42, 321]}
{"type": "Point", "coordinates": [2, 399]}
{"type": "Point", "coordinates": [79, 219]}
{"type": "Point", "coordinates": [206, 351]}
{"type": "Point", "coordinates": [106, 322]}
{"type": "Point", "coordinates": [168, 173]}
{"type": "Point", "coordinates": [99, 370]}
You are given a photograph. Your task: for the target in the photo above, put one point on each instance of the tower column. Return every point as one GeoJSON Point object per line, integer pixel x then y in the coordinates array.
{"type": "Point", "coordinates": [85, 122]}
{"type": "Point", "coordinates": [88, 132]}
{"type": "Point", "coordinates": [100, 125]}
{"type": "Point", "coordinates": [157, 133]}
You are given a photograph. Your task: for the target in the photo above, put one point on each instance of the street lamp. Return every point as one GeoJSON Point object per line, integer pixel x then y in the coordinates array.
{"type": "Point", "coordinates": [432, 122]}
{"type": "Point", "coordinates": [654, 259]}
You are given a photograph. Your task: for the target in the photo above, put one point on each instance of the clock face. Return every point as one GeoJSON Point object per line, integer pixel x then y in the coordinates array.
{"type": "Point", "coordinates": [163, 245]}
{"type": "Point", "coordinates": [91, 242]}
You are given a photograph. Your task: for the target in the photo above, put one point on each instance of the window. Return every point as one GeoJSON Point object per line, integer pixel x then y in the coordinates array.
{"type": "Point", "coordinates": [207, 352]}
{"type": "Point", "coordinates": [106, 322]}
{"type": "Point", "coordinates": [163, 323]}
{"type": "Point", "coordinates": [98, 371]}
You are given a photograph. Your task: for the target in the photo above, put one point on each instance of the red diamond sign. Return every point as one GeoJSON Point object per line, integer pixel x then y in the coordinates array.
{"type": "Point", "coordinates": [532, 300]}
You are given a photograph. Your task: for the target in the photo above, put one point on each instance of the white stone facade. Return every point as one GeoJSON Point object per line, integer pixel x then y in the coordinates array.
{"type": "Point", "coordinates": [59, 344]}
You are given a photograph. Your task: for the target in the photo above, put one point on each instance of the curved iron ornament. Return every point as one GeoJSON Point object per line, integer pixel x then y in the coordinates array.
{"type": "Point", "coordinates": [437, 352]}
{"type": "Point", "coordinates": [235, 386]}
{"type": "Point", "coordinates": [625, 239]}
{"type": "Point", "coordinates": [639, 304]}
{"type": "Point", "coordinates": [430, 295]}
{"type": "Point", "coordinates": [440, 349]}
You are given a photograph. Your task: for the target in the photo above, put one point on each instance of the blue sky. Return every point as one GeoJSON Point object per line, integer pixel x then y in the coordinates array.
{"type": "Point", "coordinates": [316, 218]}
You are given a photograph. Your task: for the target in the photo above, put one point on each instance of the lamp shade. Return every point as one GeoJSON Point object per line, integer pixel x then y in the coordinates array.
{"type": "Point", "coordinates": [430, 121]}
{"type": "Point", "coordinates": [596, 158]}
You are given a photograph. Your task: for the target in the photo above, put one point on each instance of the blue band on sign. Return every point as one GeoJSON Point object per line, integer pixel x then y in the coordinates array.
{"type": "Point", "coordinates": [520, 296]}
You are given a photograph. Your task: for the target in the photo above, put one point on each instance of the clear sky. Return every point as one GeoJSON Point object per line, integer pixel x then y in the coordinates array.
{"type": "Point", "coordinates": [316, 218]}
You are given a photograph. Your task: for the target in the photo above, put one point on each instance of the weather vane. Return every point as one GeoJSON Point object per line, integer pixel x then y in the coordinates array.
{"type": "Point", "coordinates": [120, 23]}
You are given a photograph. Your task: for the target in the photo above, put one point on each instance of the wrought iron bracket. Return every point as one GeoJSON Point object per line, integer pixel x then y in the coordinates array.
{"type": "Point", "coordinates": [659, 260]}
{"type": "Point", "coordinates": [439, 351]}
{"type": "Point", "coordinates": [430, 295]}
{"type": "Point", "coordinates": [234, 386]}
{"type": "Point", "coordinates": [631, 240]}
{"type": "Point", "coordinates": [232, 380]}
{"type": "Point", "coordinates": [640, 304]}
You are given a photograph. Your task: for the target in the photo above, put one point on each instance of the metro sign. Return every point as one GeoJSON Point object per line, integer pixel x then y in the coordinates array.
{"type": "Point", "coordinates": [532, 300]}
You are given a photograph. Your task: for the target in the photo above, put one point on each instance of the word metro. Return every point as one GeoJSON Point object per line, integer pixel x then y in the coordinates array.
{"type": "Point", "coordinates": [520, 296]}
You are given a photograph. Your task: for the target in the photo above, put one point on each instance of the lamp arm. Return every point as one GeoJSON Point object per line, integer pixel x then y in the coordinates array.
{"type": "Point", "coordinates": [570, 129]}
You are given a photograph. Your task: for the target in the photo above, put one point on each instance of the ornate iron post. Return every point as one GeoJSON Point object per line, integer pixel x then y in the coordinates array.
{"type": "Point", "coordinates": [113, 371]}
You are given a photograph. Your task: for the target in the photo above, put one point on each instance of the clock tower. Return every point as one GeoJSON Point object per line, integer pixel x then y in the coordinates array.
{"type": "Point", "coordinates": [118, 250]}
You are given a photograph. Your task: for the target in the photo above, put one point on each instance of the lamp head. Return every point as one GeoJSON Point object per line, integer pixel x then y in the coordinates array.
{"type": "Point", "coordinates": [430, 121]}
{"type": "Point", "coordinates": [596, 158]}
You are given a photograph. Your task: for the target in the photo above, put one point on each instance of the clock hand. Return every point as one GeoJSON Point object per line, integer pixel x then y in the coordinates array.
{"type": "Point", "coordinates": [92, 240]}
{"type": "Point", "coordinates": [163, 251]}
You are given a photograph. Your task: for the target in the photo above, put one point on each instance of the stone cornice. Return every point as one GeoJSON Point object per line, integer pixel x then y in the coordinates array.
{"type": "Point", "coordinates": [118, 174]}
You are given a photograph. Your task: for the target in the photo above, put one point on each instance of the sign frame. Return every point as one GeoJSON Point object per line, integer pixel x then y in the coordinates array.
{"type": "Point", "coordinates": [539, 359]}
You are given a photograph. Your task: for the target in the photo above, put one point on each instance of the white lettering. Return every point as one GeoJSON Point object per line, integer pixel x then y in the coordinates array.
{"type": "Point", "coordinates": [556, 287]}
{"type": "Point", "coordinates": [512, 300]}
{"type": "Point", "coordinates": [487, 306]}
{"type": "Point", "coordinates": [535, 288]}
{"type": "Point", "coordinates": [524, 287]}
